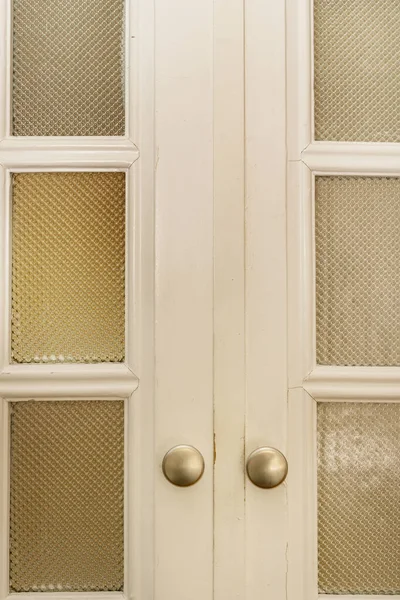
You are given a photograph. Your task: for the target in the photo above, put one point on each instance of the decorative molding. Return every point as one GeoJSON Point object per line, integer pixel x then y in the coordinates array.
{"type": "Point", "coordinates": [301, 276]}
{"type": "Point", "coordinates": [67, 153]}
{"type": "Point", "coordinates": [330, 383]}
{"type": "Point", "coordinates": [299, 71]}
{"type": "Point", "coordinates": [56, 381]}
{"type": "Point", "coordinates": [351, 158]}
{"type": "Point", "coordinates": [302, 554]}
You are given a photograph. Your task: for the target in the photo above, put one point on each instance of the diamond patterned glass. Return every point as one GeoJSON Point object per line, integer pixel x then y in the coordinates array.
{"type": "Point", "coordinates": [68, 267]}
{"type": "Point", "coordinates": [357, 70]}
{"type": "Point", "coordinates": [68, 67]}
{"type": "Point", "coordinates": [67, 496]}
{"type": "Point", "coordinates": [359, 498]}
{"type": "Point", "coordinates": [357, 235]}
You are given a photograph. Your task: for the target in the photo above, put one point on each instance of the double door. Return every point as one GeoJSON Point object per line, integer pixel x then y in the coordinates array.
{"type": "Point", "coordinates": [199, 264]}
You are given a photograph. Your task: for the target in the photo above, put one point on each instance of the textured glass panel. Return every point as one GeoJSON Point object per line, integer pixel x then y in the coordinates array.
{"type": "Point", "coordinates": [68, 275]}
{"type": "Point", "coordinates": [67, 490]}
{"type": "Point", "coordinates": [357, 70]}
{"type": "Point", "coordinates": [358, 270]}
{"type": "Point", "coordinates": [68, 67]}
{"type": "Point", "coordinates": [359, 498]}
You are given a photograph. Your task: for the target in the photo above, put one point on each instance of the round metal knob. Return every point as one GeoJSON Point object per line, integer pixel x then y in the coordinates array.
{"type": "Point", "coordinates": [183, 465]}
{"type": "Point", "coordinates": [267, 467]}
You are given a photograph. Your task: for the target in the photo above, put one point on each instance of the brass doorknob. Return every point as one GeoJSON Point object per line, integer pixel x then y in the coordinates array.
{"type": "Point", "coordinates": [183, 465]}
{"type": "Point", "coordinates": [267, 467]}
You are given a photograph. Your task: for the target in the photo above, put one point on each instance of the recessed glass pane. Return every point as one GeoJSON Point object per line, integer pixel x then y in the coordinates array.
{"type": "Point", "coordinates": [68, 267]}
{"type": "Point", "coordinates": [357, 70]}
{"type": "Point", "coordinates": [359, 498]}
{"type": "Point", "coordinates": [67, 496]}
{"type": "Point", "coordinates": [68, 67]}
{"type": "Point", "coordinates": [357, 229]}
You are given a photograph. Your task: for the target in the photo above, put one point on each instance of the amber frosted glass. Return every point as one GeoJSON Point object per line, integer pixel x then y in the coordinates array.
{"type": "Point", "coordinates": [359, 498]}
{"type": "Point", "coordinates": [68, 267]}
{"type": "Point", "coordinates": [67, 496]}
{"type": "Point", "coordinates": [68, 67]}
{"type": "Point", "coordinates": [357, 225]}
{"type": "Point", "coordinates": [357, 70]}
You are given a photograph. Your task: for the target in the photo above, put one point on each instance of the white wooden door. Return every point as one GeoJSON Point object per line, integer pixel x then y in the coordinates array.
{"type": "Point", "coordinates": [257, 250]}
{"type": "Point", "coordinates": [343, 366]}
{"type": "Point", "coordinates": [320, 350]}
{"type": "Point", "coordinates": [106, 152]}
{"type": "Point", "coordinates": [221, 295]}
